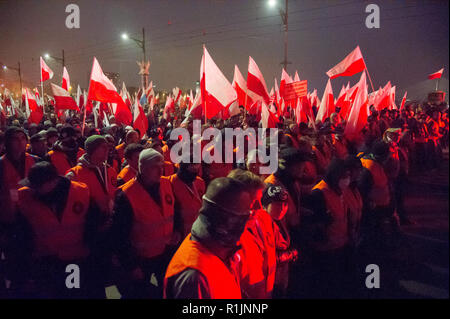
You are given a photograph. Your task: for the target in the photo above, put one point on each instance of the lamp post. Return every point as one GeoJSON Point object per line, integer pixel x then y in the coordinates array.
{"type": "Point", "coordinates": [284, 18]}
{"type": "Point", "coordinates": [143, 65]}
{"type": "Point", "coordinates": [5, 67]}
{"type": "Point", "coordinates": [61, 60]}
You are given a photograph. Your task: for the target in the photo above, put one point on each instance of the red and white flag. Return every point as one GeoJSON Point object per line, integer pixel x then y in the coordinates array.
{"type": "Point", "coordinates": [268, 118]}
{"type": "Point", "coordinates": [359, 112]}
{"type": "Point", "coordinates": [285, 79]}
{"type": "Point", "coordinates": [63, 100]}
{"type": "Point", "coordinates": [327, 105]}
{"type": "Point", "coordinates": [245, 97]}
{"type": "Point", "coordinates": [103, 90]}
{"type": "Point", "coordinates": [65, 80]}
{"type": "Point", "coordinates": [352, 64]}
{"type": "Point", "coordinates": [140, 120]}
{"type": "Point", "coordinates": [169, 108]}
{"type": "Point", "coordinates": [33, 110]}
{"type": "Point", "coordinates": [403, 101]}
{"type": "Point", "coordinates": [255, 81]}
{"type": "Point", "coordinates": [296, 77]}
{"type": "Point", "coordinates": [384, 99]}
{"type": "Point", "coordinates": [195, 110]}
{"type": "Point", "coordinates": [46, 72]}
{"type": "Point", "coordinates": [217, 92]}
{"type": "Point", "coordinates": [436, 75]}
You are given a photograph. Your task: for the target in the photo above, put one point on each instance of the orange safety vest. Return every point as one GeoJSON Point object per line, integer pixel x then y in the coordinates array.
{"type": "Point", "coordinates": [379, 193]}
{"type": "Point", "coordinates": [152, 227]}
{"type": "Point", "coordinates": [53, 237]}
{"type": "Point", "coordinates": [121, 151]}
{"type": "Point", "coordinates": [59, 160]}
{"type": "Point", "coordinates": [337, 231]}
{"type": "Point", "coordinates": [102, 195]}
{"type": "Point", "coordinates": [126, 174]}
{"type": "Point", "coordinates": [166, 152]}
{"type": "Point", "coordinates": [168, 169]}
{"type": "Point", "coordinates": [189, 200]}
{"type": "Point", "coordinates": [261, 225]}
{"type": "Point", "coordinates": [193, 255]}
{"type": "Point", "coordinates": [10, 186]}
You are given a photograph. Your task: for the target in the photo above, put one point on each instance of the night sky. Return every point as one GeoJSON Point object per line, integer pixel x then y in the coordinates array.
{"type": "Point", "coordinates": [411, 43]}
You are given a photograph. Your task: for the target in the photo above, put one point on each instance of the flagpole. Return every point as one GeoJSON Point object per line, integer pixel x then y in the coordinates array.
{"type": "Point", "coordinates": [437, 83]}
{"type": "Point", "coordinates": [370, 79]}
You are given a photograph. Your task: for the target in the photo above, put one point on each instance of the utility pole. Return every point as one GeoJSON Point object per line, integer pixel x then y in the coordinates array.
{"type": "Point", "coordinates": [5, 67]}
{"type": "Point", "coordinates": [284, 18]}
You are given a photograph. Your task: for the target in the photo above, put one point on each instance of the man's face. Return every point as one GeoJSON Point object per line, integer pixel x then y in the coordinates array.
{"type": "Point", "coordinates": [100, 155]}
{"type": "Point", "coordinates": [152, 172]}
{"type": "Point", "coordinates": [18, 143]}
{"type": "Point", "coordinates": [39, 147]}
{"type": "Point", "coordinates": [134, 160]}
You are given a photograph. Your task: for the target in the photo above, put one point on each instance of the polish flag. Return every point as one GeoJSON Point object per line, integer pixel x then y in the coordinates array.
{"type": "Point", "coordinates": [63, 100]}
{"type": "Point", "coordinates": [140, 121]}
{"type": "Point", "coordinates": [358, 114]}
{"type": "Point", "coordinates": [327, 105]}
{"type": "Point", "coordinates": [217, 92]}
{"type": "Point", "coordinates": [296, 77]}
{"type": "Point", "coordinates": [352, 64]}
{"type": "Point", "coordinates": [169, 108]}
{"type": "Point", "coordinates": [177, 94]}
{"type": "Point", "coordinates": [46, 72]}
{"type": "Point", "coordinates": [285, 79]}
{"type": "Point", "coordinates": [255, 81]}
{"type": "Point", "coordinates": [384, 99]}
{"type": "Point", "coordinates": [392, 105]}
{"type": "Point", "coordinates": [65, 80]}
{"type": "Point", "coordinates": [103, 90]}
{"type": "Point", "coordinates": [300, 113]}
{"type": "Point", "coordinates": [268, 118]}
{"type": "Point", "coordinates": [436, 75]}
{"type": "Point", "coordinates": [403, 101]}
{"type": "Point", "coordinates": [196, 110]}
{"type": "Point", "coordinates": [34, 112]}
{"type": "Point", "coordinates": [240, 86]}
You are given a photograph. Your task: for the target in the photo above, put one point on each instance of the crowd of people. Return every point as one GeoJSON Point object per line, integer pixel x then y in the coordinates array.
{"type": "Point", "coordinates": [110, 200]}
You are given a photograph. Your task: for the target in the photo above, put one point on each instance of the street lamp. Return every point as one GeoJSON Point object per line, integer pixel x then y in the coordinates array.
{"type": "Point", "coordinates": [60, 60]}
{"type": "Point", "coordinates": [140, 44]}
{"type": "Point", "coordinates": [284, 18]}
{"type": "Point", "coordinates": [5, 67]}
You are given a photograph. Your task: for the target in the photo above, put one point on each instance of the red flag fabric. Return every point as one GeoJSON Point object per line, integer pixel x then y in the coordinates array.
{"type": "Point", "coordinates": [169, 108]}
{"type": "Point", "coordinates": [255, 81]}
{"type": "Point", "coordinates": [65, 80]}
{"type": "Point", "coordinates": [358, 114]}
{"type": "Point", "coordinates": [352, 64]}
{"type": "Point", "coordinates": [46, 72]}
{"type": "Point", "coordinates": [384, 99]}
{"type": "Point", "coordinates": [285, 79]}
{"type": "Point", "coordinates": [140, 120]}
{"type": "Point", "coordinates": [436, 75]}
{"type": "Point", "coordinates": [63, 100]}
{"type": "Point", "coordinates": [268, 118]}
{"type": "Point", "coordinates": [103, 90]}
{"type": "Point", "coordinates": [217, 92]}
{"type": "Point", "coordinates": [245, 97]}
{"type": "Point", "coordinates": [34, 112]}
{"type": "Point", "coordinates": [403, 101]}
{"type": "Point", "coordinates": [327, 105]}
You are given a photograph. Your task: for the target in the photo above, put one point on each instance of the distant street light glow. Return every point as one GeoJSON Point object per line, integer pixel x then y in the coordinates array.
{"type": "Point", "coordinates": [272, 3]}
{"type": "Point", "coordinates": [124, 36]}
{"type": "Point", "coordinates": [47, 56]}
{"type": "Point", "coordinates": [5, 67]}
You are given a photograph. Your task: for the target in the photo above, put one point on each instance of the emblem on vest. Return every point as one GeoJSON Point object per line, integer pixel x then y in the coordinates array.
{"type": "Point", "coordinates": [169, 199]}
